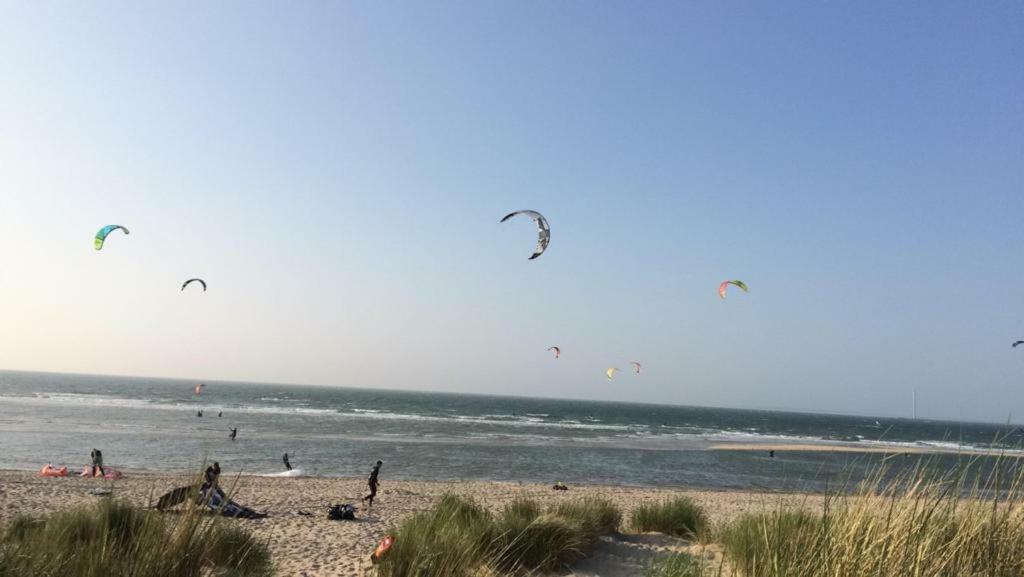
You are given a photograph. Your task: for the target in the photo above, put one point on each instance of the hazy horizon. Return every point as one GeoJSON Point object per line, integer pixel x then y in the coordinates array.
{"type": "Point", "coordinates": [336, 173]}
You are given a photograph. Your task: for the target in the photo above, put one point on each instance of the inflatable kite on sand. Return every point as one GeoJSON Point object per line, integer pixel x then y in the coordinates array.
{"type": "Point", "coordinates": [215, 499]}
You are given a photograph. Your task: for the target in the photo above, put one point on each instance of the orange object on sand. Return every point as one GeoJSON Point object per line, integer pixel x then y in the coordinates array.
{"type": "Point", "coordinates": [51, 471]}
{"type": "Point", "coordinates": [88, 471]}
{"type": "Point", "coordinates": [383, 548]}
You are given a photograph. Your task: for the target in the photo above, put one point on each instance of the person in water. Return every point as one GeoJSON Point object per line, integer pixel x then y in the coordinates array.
{"type": "Point", "coordinates": [287, 465]}
{"type": "Point", "coordinates": [97, 462]}
{"type": "Point", "coordinates": [234, 433]}
{"type": "Point", "coordinates": [199, 413]}
{"type": "Point", "coordinates": [372, 482]}
{"type": "Point", "coordinates": [220, 414]}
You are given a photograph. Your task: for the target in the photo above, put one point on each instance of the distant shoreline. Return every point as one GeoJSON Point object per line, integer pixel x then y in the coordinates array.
{"type": "Point", "coordinates": [838, 447]}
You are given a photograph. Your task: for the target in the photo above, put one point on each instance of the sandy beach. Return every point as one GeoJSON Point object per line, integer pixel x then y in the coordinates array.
{"type": "Point", "coordinates": [837, 447]}
{"type": "Point", "coordinates": [315, 546]}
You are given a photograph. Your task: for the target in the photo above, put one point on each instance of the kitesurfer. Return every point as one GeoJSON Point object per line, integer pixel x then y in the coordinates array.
{"type": "Point", "coordinates": [287, 465]}
{"type": "Point", "coordinates": [97, 462]}
{"type": "Point", "coordinates": [372, 482]}
{"type": "Point", "coordinates": [234, 433]}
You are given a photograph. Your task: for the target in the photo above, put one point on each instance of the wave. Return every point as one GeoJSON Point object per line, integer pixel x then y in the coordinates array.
{"type": "Point", "coordinates": [499, 425]}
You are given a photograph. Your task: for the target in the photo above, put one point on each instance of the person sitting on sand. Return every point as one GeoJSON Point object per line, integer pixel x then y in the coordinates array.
{"type": "Point", "coordinates": [211, 477]}
{"type": "Point", "coordinates": [287, 465]}
{"type": "Point", "coordinates": [372, 483]}
{"type": "Point", "coordinates": [97, 462]}
{"type": "Point", "coordinates": [234, 433]}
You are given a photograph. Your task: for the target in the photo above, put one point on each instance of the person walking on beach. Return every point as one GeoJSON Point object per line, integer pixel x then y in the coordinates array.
{"type": "Point", "coordinates": [287, 465]}
{"type": "Point", "coordinates": [372, 482]}
{"type": "Point", "coordinates": [234, 433]}
{"type": "Point", "coordinates": [97, 462]}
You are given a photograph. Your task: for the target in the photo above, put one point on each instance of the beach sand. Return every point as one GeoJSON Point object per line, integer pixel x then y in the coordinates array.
{"type": "Point", "coordinates": [315, 546]}
{"type": "Point", "coordinates": [838, 447]}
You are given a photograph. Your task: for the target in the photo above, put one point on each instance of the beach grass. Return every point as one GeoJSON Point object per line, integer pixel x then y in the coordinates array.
{"type": "Point", "coordinates": [679, 516]}
{"type": "Point", "coordinates": [459, 538]}
{"type": "Point", "coordinates": [961, 524]}
{"type": "Point", "coordinates": [112, 538]}
{"type": "Point", "coordinates": [677, 565]}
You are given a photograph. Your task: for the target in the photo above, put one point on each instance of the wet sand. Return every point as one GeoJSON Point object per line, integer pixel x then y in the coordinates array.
{"type": "Point", "coordinates": [854, 448]}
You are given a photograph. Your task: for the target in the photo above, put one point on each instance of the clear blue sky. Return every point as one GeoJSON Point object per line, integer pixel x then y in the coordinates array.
{"type": "Point", "coordinates": [336, 172]}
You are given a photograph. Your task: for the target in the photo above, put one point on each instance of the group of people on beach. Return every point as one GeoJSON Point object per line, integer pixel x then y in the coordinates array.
{"type": "Point", "coordinates": [212, 473]}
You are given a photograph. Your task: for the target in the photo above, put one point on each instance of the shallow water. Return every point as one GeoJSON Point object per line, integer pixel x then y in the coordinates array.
{"type": "Point", "coordinates": [142, 423]}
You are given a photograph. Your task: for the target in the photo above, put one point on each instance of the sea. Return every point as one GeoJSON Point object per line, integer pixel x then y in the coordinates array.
{"type": "Point", "coordinates": [152, 424]}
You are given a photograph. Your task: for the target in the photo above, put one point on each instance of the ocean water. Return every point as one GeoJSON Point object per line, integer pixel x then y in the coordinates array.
{"type": "Point", "coordinates": [151, 424]}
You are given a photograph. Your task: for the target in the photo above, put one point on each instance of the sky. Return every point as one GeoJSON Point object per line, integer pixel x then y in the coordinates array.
{"type": "Point", "coordinates": [336, 172]}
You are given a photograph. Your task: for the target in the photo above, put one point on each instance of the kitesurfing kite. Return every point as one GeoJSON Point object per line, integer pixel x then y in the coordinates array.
{"type": "Point", "coordinates": [544, 232]}
{"type": "Point", "coordinates": [192, 280]}
{"type": "Point", "coordinates": [611, 372]}
{"type": "Point", "coordinates": [199, 388]}
{"type": "Point", "coordinates": [103, 232]}
{"type": "Point", "coordinates": [558, 351]}
{"type": "Point", "coordinates": [1018, 343]}
{"type": "Point", "coordinates": [636, 367]}
{"type": "Point", "coordinates": [724, 285]}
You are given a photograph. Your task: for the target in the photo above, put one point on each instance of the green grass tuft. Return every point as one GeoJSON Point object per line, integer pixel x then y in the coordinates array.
{"type": "Point", "coordinates": [678, 516]}
{"type": "Point", "coordinates": [922, 523]}
{"type": "Point", "coordinates": [676, 565]}
{"type": "Point", "coordinates": [111, 538]}
{"type": "Point", "coordinates": [459, 538]}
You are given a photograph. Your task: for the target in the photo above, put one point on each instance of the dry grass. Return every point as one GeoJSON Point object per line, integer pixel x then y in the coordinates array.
{"type": "Point", "coordinates": [962, 524]}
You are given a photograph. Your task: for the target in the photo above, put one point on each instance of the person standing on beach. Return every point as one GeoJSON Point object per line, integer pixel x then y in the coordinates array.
{"type": "Point", "coordinates": [97, 462]}
{"type": "Point", "coordinates": [372, 482]}
{"type": "Point", "coordinates": [234, 433]}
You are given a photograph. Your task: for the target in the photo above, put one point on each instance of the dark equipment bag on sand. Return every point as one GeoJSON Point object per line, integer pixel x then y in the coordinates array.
{"type": "Point", "coordinates": [340, 512]}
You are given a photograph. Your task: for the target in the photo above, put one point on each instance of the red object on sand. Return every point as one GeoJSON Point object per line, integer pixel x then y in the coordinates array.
{"type": "Point", "coordinates": [51, 471]}
{"type": "Point", "coordinates": [383, 548]}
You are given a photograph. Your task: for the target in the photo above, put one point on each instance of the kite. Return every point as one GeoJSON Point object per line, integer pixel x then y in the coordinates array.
{"type": "Point", "coordinates": [636, 367]}
{"type": "Point", "coordinates": [1018, 343]}
{"type": "Point", "coordinates": [544, 232]}
{"type": "Point", "coordinates": [558, 351]}
{"type": "Point", "coordinates": [724, 285]}
{"type": "Point", "coordinates": [611, 372]}
{"type": "Point", "coordinates": [103, 232]}
{"type": "Point", "coordinates": [192, 280]}
{"type": "Point", "coordinates": [199, 388]}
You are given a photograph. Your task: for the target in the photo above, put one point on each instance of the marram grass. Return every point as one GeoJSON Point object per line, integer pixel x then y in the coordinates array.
{"type": "Point", "coordinates": [111, 538]}
{"type": "Point", "coordinates": [460, 538]}
{"type": "Point", "coordinates": [678, 516]}
{"type": "Point", "coordinates": [966, 524]}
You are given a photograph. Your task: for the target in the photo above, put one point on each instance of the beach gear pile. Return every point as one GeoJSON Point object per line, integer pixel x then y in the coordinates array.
{"type": "Point", "coordinates": [343, 512]}
{"type": "Point", "coordinates": [560, 486]}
